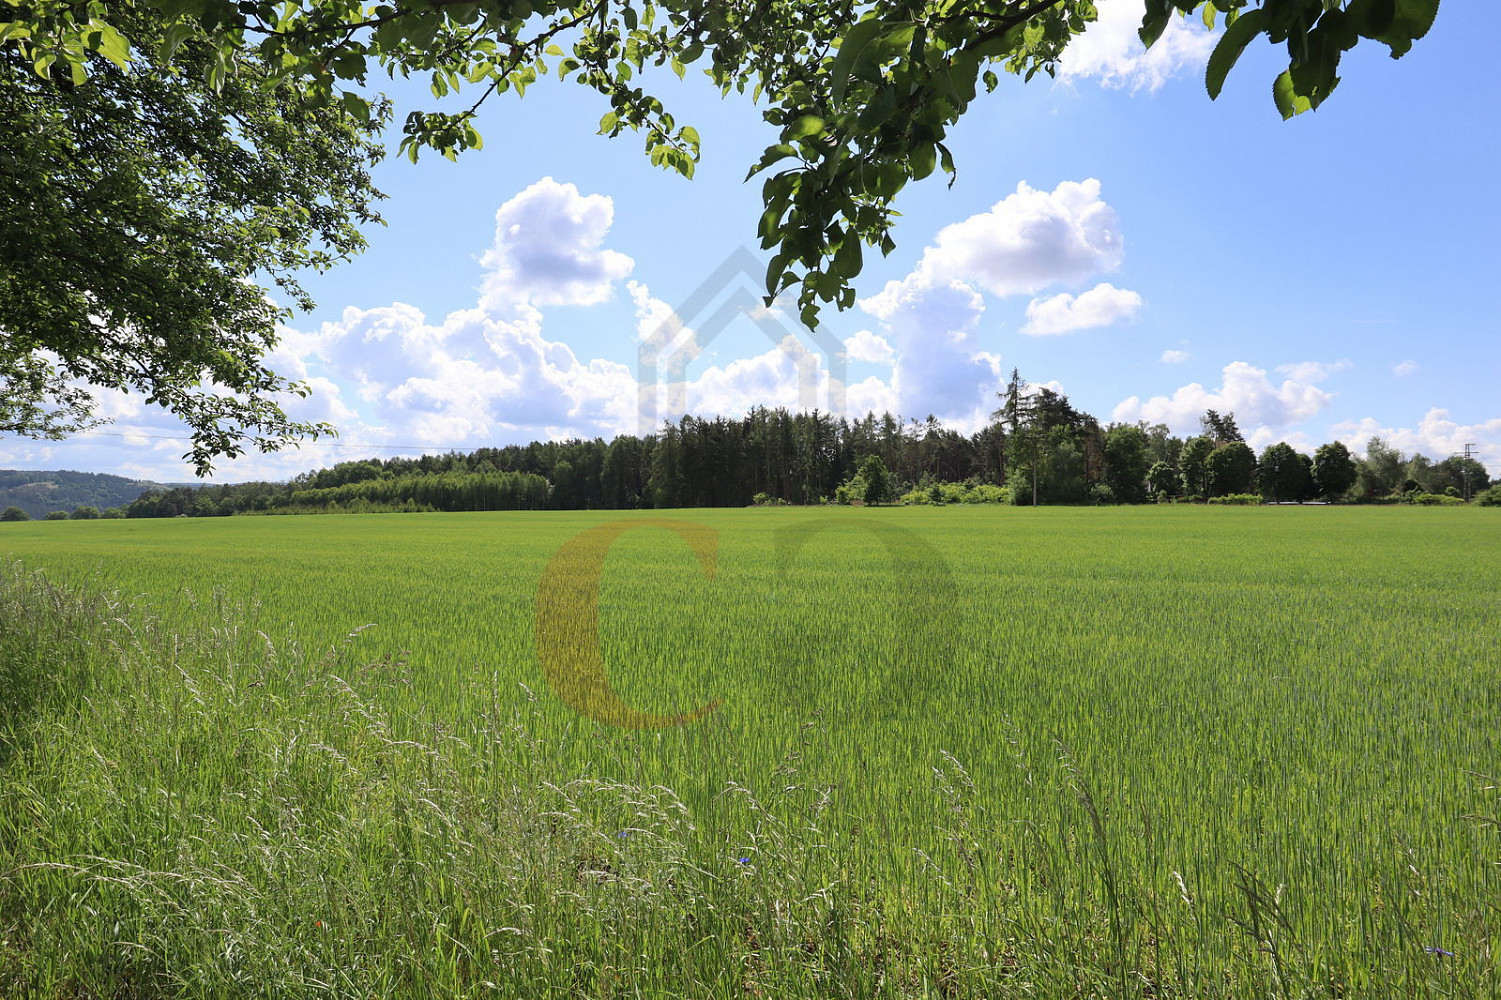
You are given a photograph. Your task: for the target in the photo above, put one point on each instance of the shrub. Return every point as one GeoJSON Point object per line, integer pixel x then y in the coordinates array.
{"type": "Point", "coordinates": [1237, 499]}
{"type": "Point", "coordinates": [1432, 500]}
{"type": "Point", "coordinates": [1490, 497]}
{"type": "Point", "coordinates": [939, 494]}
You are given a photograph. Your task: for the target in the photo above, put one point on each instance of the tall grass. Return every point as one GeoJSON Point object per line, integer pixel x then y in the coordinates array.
{"type": "Point", "coordinates": [1011, 753]}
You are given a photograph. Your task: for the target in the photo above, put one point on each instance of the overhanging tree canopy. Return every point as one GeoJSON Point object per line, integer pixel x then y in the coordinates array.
{"type": "Point", "coordinates": [140, 209]}
{"type": "Point", "coordinates": [862, 93]}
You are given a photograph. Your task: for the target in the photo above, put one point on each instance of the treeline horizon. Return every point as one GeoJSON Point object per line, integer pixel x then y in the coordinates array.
{"type": "Point", "coordinates": [1037, 448]}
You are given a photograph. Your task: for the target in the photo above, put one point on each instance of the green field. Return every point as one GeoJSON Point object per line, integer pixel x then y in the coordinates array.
{"type": "Point", "coordinates": [993, 752]}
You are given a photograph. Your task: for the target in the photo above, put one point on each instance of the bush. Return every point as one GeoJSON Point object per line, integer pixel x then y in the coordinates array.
{"type": "Point", "coordinates": [939, 494]}
{"type": "Point", "coordinates": [1490, 497]}
{"type": "Point", "coordinates": [766, 500]}
{"type": "Point", "coordinates": [57, 515]}
{"type": "Point", "coordinates": [1101, 493]}
{"type": "Point", "coordinates": [1237, 499]}
{"type": "Point", "coordinates": [1433, 500]}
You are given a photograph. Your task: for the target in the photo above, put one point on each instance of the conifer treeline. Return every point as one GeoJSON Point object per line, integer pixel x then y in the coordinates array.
{"type": "Point", "coordinates": [1038, 447]}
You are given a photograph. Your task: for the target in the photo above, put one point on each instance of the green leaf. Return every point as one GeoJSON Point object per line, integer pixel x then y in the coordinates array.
{"type": "Point", "coordinates": [1372, 18]}
{"type": "Point", "coordinates": [875, 114]}
{"type": "Point", "coordinates": [850, 47]}
{"type": "Point", "coordinates": [1154, 22]}
{"type": "Point", "coordinates": [802, 127]}
{"type": "Point", "coordinates": [922, 161]}
{"type": "Point", "coordinates": [1232, 43]}
{"type": "Point", "coordinates": [773, 153]}
{"type": "Point", "coordinates": [1410, 21]}
{"type": "Point", "coordinates": [109, 43]}
{"type": "Point", "coordinates": [1289, 101]}
{"type": "Point", "coordinates": [849, 258]}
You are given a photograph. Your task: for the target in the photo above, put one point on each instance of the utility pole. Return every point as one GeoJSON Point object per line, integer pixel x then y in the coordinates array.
{"type": "Point", "coordinates": [1469, 457]}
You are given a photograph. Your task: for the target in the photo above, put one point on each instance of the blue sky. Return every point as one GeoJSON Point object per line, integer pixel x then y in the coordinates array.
{"type": "Point", "coordinates": [1113, 232]}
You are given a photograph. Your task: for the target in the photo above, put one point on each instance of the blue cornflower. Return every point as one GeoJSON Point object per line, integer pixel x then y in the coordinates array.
{"type": "Point", "coordinates": [743, 861]}
{"type": "Point", "coordinates": [1439, 952]}
{"type": "Point", "coordinates": [623, 834]}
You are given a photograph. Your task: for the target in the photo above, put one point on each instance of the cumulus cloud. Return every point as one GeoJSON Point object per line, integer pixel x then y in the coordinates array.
{"type": "Point", "coordinates": [1111, 51]}
{"type": "Point", "coordinates": [871, 348]}
{"type": "Point", "coordinates": [1172, 357]}
{"type": "Point", "coordinates": [940, 368]}
{"type": "Point", "coordinates": [1102, 305]}
{"type": "Point", "coordinates": [1246, 391]}
{"type": "Point", "coordinates": [1260, 437]}
{"type": "Point", "coordinates": [548, 249]}
{"type": "Point", "coordinates": [1402, 369]}
{"type": "Point", "coordinates": [1436, 436]}
{"type": "Point", "coordinates": [1027, 241]}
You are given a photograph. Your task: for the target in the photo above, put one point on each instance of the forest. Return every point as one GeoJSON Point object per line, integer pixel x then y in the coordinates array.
{"type": "Point", "coordinates": [1037, 449]}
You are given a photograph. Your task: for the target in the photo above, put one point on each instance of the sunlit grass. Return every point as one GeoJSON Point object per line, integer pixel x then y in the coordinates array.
{"type": "Point", "coordinates": [994, 752]}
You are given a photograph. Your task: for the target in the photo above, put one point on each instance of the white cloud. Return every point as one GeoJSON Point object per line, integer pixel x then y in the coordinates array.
{"type": "Point", "coordinates": [1102, 305]}
{"type": "Point", "coordinates": [657, 324]}
{"type": "Point", "coordinates": [1402, 369]}
{"type": "Point", "coordinates": [871, 348]}
{"type": "Point", "coordinates": [547, 249]}
{"type": "Point", "coordinates": [1314, 371]}
{"type": "Point", "coordinates": [1172, 357]}
{"type": "Point", "coordinates": [1436, 436]}
{"type": "Point", "coordinates": [1246, 392]}
{"type": "Point", "coordinates": [939, 367]}
{"type": "Point", "coordinates": [1259, 437]}
{"type": "Point", "coordinates": [1111, 51]}
{"type": "Point", "coordinates": [1027, 241]}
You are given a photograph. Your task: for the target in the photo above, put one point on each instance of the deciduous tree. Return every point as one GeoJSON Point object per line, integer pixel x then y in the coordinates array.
{"type": "Point", "coordinates": [1230, 468]}
{"type": "Point", "coordinates": [1333, 470]}
{"type": "Point", "coordinates": [1127, 461]}
{"type": "Point", "coordinates": [140, 210]}
{"type": "Point", "coordinates": [1281, 475]}
{"type": "Point", "coordinates": [1193, 465]}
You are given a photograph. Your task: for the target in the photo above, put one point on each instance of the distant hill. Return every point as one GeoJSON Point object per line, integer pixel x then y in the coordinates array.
{"type": "Point", "coordinates": [38, 493]}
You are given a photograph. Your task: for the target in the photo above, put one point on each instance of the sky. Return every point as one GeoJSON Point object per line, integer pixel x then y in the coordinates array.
{"type": "Point", "coordinates": [1112, 233]}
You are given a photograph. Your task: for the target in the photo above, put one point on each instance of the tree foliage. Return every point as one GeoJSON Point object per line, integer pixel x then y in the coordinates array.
{"type": "Point", "coordinates": [1163, 480]}
{"type": "Point", "coordinates": [1230, 468]}
{"type": "Point", "coordinates": [1281, 474]}
{"type": "Point", "coordinates": [1192, 465]}
{"type": "Point", "coordinates": [1333, 470]}
{"type": "Point", "coordinates": [862, 95]}
{"type": "Point", "coordinates": [142, 208]}
{"type": "Point", "coordinates": [1219, 427]}
{"type": "Point", "coordinates": [1127, 461]}
{"type": "Point", "coordinates": [878, 487]}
